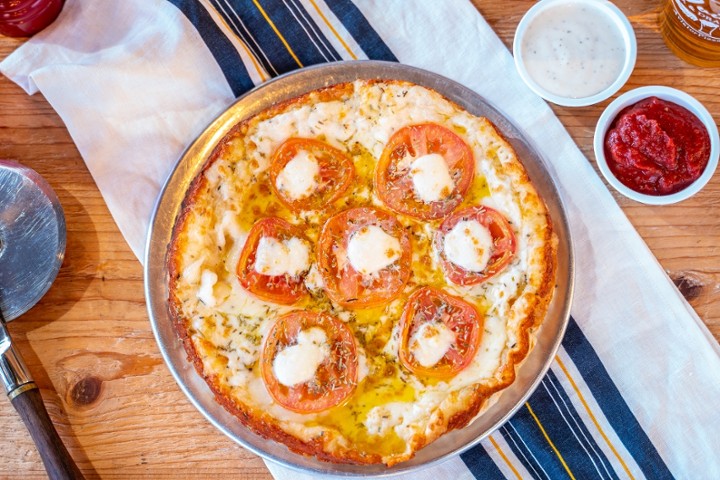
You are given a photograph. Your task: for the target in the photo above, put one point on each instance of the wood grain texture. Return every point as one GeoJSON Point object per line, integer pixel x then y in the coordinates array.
{"type": "Point", "coordinates": [89, 344]}
{"type": "Point", "coordinates": [58, 462]}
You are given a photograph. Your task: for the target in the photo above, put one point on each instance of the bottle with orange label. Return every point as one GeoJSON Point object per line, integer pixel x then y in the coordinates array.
{"type": "Point", "coordinates": [691, 29]}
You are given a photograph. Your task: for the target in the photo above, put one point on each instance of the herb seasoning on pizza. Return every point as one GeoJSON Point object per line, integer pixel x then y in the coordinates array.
{"type": "Point", "coordinates": [359, 270]}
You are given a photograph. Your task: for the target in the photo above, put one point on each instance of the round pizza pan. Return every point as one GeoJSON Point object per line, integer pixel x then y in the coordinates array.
{"type": "Point", "coordinates": [548, 337]}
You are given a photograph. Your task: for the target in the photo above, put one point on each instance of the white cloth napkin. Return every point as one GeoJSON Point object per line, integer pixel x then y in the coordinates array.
{"type": "Point", "coordinates": [135, 83]}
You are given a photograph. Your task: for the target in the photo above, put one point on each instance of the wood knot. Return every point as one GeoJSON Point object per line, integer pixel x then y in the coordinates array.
{"type": "Point", "coordinates": [690, 286]}
{"type": "Point", "coordinates": [86, 391]}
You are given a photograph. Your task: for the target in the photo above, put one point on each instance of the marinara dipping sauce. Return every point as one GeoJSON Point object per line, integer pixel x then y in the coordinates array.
{"type": "Point", "coordinates": [657, 147]}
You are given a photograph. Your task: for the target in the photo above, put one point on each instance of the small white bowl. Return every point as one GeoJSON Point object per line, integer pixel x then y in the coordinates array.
{"type": "Point", "coordinates": [567, 57]}
{"type": "Point", "coordinates": [664, 93]}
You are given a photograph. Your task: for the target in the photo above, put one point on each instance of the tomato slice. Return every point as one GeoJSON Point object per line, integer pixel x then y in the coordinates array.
{"type": "Point", "coordinates": [342, 282]}
{"type": "Point", "coordinates": [286, 288]}
{"type": "Point", "coordinates": [334, 175]}
{"type": "Point", "coordinates": [335, 378]}
{"type": "Point", "coordinates": [502, 251]}
{"type": "Point", "coordinates": [394, 182]}
{"type": "Point", "coordinates": [427, 309]}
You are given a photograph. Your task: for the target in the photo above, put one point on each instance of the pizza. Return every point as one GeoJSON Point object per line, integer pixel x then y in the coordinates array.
{"type": "Point", "coordinates": [361, 269]}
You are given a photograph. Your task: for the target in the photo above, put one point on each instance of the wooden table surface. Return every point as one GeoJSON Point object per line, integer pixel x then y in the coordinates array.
{"type": "Point", "coordinates": [89, 345]}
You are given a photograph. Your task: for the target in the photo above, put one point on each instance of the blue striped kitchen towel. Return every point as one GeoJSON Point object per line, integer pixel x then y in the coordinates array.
{"type": "Point", "coordinates": [634, 388]}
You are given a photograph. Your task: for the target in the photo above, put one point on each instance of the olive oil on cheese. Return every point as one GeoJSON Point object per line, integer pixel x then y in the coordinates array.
{"type": "Point", "coordinates": [349, 418]}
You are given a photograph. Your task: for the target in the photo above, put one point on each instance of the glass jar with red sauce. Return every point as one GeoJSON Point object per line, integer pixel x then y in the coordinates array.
{"type": "Point", "coordinates": [657, 147]}
{"type": "Point", "coordinates": [23, 18]}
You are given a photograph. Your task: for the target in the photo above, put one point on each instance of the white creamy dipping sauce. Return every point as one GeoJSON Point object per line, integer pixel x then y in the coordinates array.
{"type": "Point", "coordinates": [573, 50]}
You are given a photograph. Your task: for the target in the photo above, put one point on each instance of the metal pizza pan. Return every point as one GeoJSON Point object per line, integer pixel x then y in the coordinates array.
{"type": "Point", "coordinates": [547, 338]}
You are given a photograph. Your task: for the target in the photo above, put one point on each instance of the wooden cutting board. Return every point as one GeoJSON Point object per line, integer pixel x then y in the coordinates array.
{"type": "Point", "coordinates": [89, 343]}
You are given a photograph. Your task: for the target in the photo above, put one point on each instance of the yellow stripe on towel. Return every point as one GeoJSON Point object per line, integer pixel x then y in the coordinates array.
{"type": "Point", "coordinates": [237, 42]}
{"type": "Point", "coordinates": [277, 32]}
{"type": "Point", "coordinates": [547, 437]}
{"type": "Point", "coordinates": [592, 417]}
{"type": "Point", "coordinates": [504, 457]}
{"type": "Point", "coordinates": [332, 29]}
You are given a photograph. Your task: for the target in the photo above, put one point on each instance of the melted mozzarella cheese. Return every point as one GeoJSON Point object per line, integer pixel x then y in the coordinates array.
{"type": "Point", "coordinates": [298, 179]}
{"type": "Point", "coordinates": [313, 279]}
{"type": "Point", "coordinates": [289, 257]}
{"type": "Point", "coordinates": [384, 417]}
{"type": "Point", "coordinates": [469, 245]}
{"type": "Point", "coordinates": [298, 363]}
{"type": "Point", "coordinates": [370, 250]}
{"type": "Point", "coordinates": [228, 226]}
{"type": "Point", "coordinates": [306, 122]}
{"type": "Point", "coordinates": [208, 279]}
{"type": "Point", "coordinates": [404, 418]}
{"type": "Point", "coordinates": [192, 272]}
{"type": "Point", "coordinates": [431, 342]}
{"type": "Point", "coordinates": [431, 178]}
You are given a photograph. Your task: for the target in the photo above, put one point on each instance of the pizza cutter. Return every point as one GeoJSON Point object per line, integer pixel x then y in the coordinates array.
{"type": "Point", "coordinates": [32, 248]}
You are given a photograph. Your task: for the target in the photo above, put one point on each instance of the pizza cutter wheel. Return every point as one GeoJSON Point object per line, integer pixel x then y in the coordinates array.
{"type": "Point", "coordinates": [32, 248]}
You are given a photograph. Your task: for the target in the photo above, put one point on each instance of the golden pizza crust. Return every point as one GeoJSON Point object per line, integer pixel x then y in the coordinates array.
{"type": "Point", "coordinates": [225, 199]}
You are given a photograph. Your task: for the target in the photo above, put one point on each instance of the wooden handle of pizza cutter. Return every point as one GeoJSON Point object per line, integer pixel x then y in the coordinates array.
{"type": "Point", "coordinates": [58, 462]}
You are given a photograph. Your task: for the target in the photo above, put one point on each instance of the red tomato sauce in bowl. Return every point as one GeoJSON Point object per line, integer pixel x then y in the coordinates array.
{"type": "Point", "coordinates": [657, 147]}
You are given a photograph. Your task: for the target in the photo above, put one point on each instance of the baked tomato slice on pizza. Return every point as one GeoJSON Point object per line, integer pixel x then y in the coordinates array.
{"type": "Point", "coordinates": [424, 171]}
{"type": "Point", "coordinates": [364, 257]}
{"type": "Point", "coordinates": [308, 174]}
{"type": "Point", "coordinates": [309, 361]}
{"type": "Point", "coordinates": [474, 244]}
{"type": "Point", "coordinates": [274, 260]}
{"type": "Point", "coordinates": [440, 333]}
